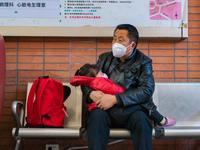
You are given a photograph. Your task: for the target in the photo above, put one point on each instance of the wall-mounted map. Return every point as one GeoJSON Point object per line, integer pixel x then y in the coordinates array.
{"type": "Point", "coordinates": [165, 9]}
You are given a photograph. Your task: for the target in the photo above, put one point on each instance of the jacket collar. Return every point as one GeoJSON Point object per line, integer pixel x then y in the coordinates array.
{"type": "Point", "coordinates": [130, 57]}
{"type": "Point", "coordinates": [116, 61]}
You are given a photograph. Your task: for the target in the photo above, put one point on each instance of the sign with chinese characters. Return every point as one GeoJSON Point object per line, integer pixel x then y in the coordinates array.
{"type": "Point", "coordinates": [95, 13]}
{"type": "Point", "coordinates": [28, 9]}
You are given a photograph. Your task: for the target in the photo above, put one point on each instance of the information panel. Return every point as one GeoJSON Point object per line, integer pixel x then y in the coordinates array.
{"type": "Point", "coordinates": [92, 16]}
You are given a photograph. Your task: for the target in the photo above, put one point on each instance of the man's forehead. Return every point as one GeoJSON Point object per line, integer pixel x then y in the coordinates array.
{"type": "Point", "coordinates": [121, 33]}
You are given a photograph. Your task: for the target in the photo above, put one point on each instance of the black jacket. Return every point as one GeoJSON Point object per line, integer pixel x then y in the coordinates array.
{"type": "Point", "coordinates": [137, 79]}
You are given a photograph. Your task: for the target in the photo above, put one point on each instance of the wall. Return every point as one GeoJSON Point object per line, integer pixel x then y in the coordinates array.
{"type": "Point", "coordinates": [174, 60]}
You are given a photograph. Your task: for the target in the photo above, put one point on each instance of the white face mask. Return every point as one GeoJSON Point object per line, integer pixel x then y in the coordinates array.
{"type": "Point", "coordinates": [105, 75]}
{"type": "Point", "coordinates": [119, 50]}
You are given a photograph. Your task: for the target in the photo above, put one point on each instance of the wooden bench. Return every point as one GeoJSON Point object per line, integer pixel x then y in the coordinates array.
{"type": "Point", "coordinates": [179, 100]}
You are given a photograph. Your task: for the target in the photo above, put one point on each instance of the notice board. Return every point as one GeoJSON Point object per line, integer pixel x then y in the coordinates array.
{"type": "Point", "coordinates": [97, 18]}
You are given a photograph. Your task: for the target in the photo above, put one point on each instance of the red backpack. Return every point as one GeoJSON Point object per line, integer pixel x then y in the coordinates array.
{"type": "Point", "coordinates": [45, 106]}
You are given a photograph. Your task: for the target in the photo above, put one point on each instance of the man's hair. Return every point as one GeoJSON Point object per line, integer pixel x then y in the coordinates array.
{"type": "Point", "coordinates": [132, 32]}
{"type": "Point", "coordinates": [89, 70]}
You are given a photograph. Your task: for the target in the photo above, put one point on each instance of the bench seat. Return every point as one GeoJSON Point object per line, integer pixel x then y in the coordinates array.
{"type": "Point", "coordinates": [47, 132]}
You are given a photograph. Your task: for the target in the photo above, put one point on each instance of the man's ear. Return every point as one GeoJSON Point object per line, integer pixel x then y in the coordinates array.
{"type": "Point", "coordinates": [133, 45]}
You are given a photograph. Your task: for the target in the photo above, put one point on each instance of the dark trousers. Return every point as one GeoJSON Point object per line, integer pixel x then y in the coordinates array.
{"type": "Point", "coordinates": [156, 116]}
{"type": "Point", "coordinates": [100, 121]}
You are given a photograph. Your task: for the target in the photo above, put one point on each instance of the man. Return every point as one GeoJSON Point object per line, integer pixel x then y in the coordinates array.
{"type": "Point", "coordinates": [131, 69]}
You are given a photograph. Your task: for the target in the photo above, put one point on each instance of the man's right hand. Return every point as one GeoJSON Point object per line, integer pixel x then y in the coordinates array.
{"type": "Point", "coordinates": [96, 95]}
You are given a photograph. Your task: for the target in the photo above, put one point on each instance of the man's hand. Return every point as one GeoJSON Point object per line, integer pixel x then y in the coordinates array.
{"type": "Point", "coordinates": [106, 101]}
{"type": "Point", "coordinates": [96, 95]}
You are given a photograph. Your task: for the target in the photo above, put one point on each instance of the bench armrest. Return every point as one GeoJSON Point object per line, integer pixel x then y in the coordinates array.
{"type": "Point", "coordinates": [18, 113]}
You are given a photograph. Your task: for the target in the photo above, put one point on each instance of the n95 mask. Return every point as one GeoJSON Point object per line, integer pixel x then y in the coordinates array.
{"type": "Point", "coordinates": [119, 50]}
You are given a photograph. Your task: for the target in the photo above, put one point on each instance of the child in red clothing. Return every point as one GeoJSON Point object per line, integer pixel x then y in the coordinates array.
{"type": "Point", "coordinates": [91, 75]}
{"type": "Point", "coordinates": [100, 82]}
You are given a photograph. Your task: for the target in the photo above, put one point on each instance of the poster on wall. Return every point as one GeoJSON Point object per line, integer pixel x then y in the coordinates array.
{"type": "Point", "coordinates": [93, 14]}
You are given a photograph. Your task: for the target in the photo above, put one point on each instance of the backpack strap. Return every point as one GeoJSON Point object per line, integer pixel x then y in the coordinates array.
{"type": "Point", "coordinates": [66, 91]}
{"type": "Point", "coordinates": [32, 95]}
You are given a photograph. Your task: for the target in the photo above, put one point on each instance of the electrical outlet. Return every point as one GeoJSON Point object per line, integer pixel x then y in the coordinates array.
{"type": "Point", "coordinates": [52, 147]}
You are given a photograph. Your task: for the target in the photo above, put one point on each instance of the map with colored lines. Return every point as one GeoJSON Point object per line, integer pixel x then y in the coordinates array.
{"type": "Point", "coordinates": [165, 9]}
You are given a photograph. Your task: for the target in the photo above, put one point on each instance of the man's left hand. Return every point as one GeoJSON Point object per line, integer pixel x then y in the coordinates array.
{"type": "Point", "coordinates": [106, 101]}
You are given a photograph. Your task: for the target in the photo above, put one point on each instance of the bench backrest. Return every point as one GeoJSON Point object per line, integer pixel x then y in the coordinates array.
{"type": "Point", "coordinates": [174, 99]}
{"type": "Point", "coordinates": [73, 104]}
{"type": "Point", "coordinates": [179, 100]}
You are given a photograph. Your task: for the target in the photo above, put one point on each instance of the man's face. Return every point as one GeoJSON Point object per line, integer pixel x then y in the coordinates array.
{"type": "Point", "coordinates": [121, 37]}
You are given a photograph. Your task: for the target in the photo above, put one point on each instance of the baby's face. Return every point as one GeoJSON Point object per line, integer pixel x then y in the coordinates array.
{"type": "Point", "coordinates": [100, 74]}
